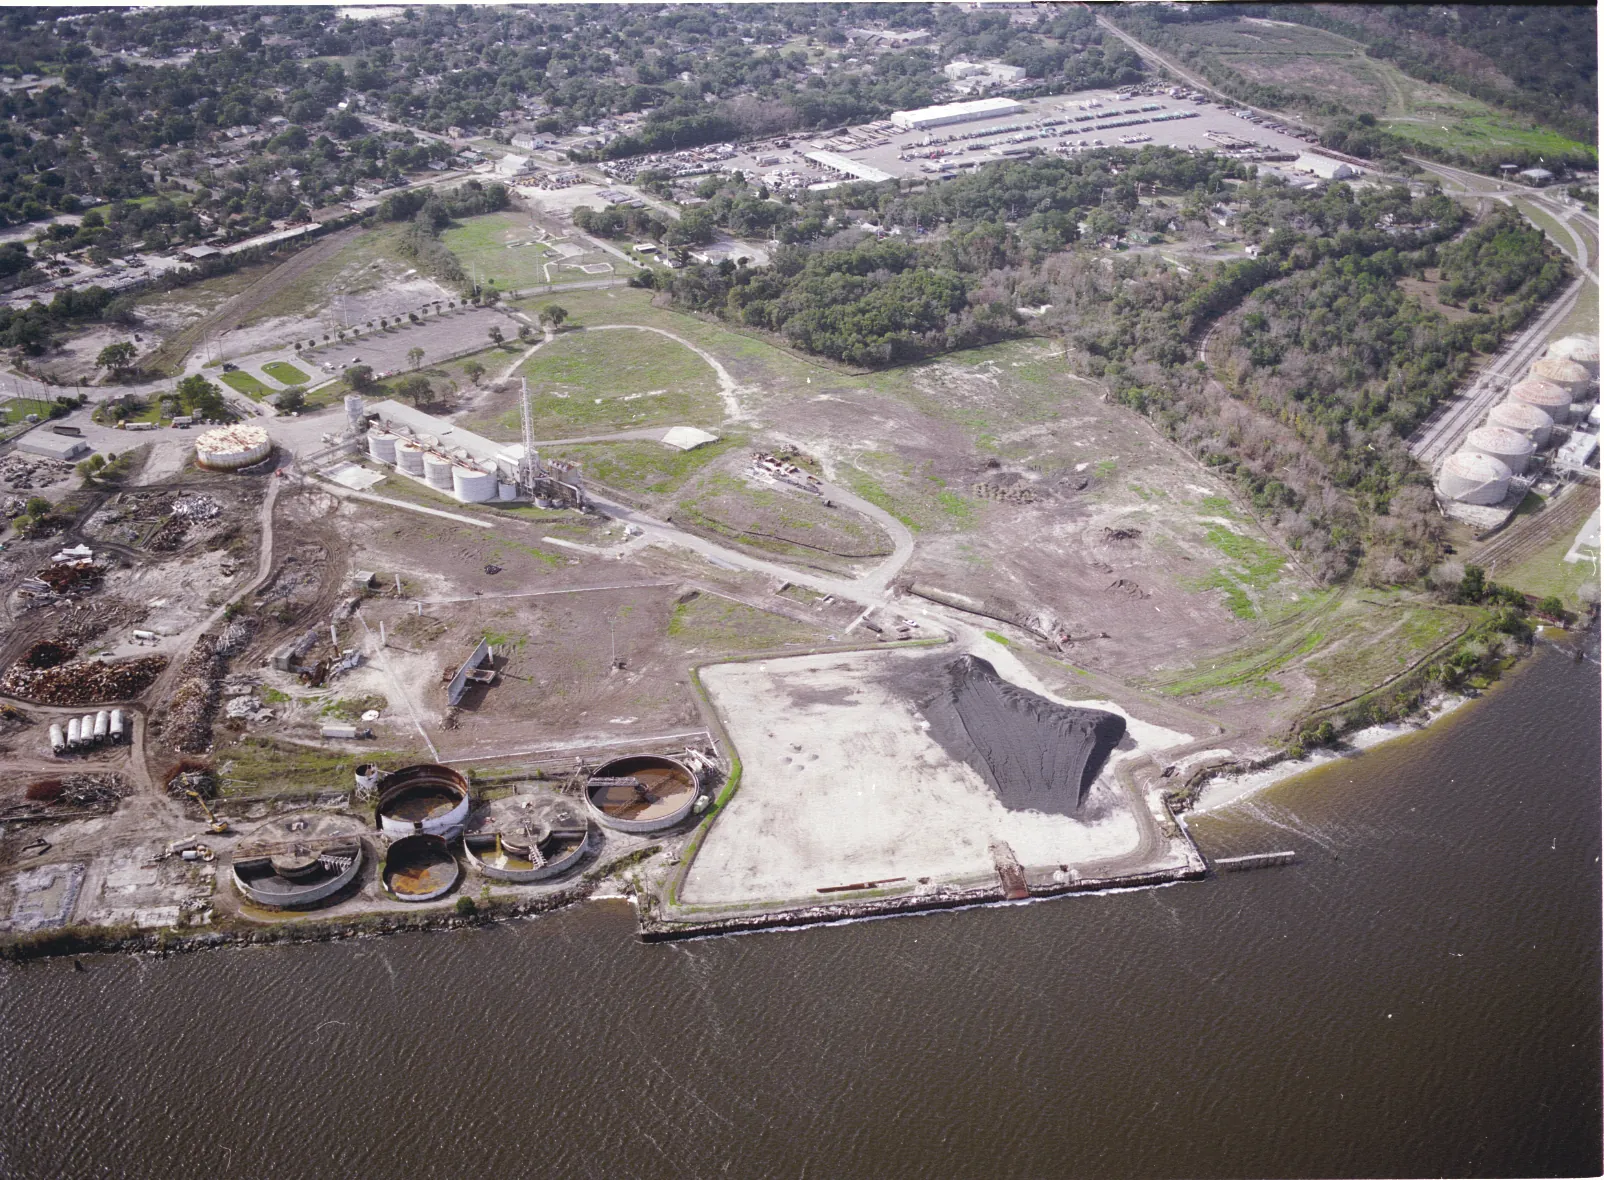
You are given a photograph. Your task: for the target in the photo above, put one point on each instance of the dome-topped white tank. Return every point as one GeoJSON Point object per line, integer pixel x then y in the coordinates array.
{"type": "Point", "coordinates": [381, 446]}
{"type": "Point", "coordinates": [409, 457]}
{"type": "Point", "coordinates": [1473, 478]}
{"type": "Point", "coordinates": [228, 448]}
{"type": "Point", "coordinates": [471, 486]}
{"type": "Point", "coordinates": [1523, 419]}
{"type": "Point", "coordinates": [1545, 395]}
{"type": "Point", "coordinates": [1568, 375]}
{"type": "Point", "coordinates": [437, 472]}
{"type": "Point", "coordinates": [1509, 447]}
{"type": "Point", "coordinates": [1581, 349]}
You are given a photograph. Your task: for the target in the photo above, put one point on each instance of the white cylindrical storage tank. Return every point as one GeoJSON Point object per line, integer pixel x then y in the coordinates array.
{"type": "Point", "coordinates": [116, 725]}
{"type": "Point", "coordinates": [86, 729]}
{"type": "Point", "coordinates": [1568, 375]}
{"type": "Point", "coordinates": [354, 407]}
{"type": "Point", "coordinates": [1581, 349]}
{"type": "Point", "coordinates": [506, 491]}
{"type": "Point", "coordinates": [58, 740]}
{"type": "Point", "coordinates": [367, 777]}
{"type": "Point", "coordinates": [437, 472]}
{"type": "Point", "coordinates": [381, 446]}
{"type": "Point", "coordinates": [1545, 395]}
{"type": "Point", "coordinates": [75, 733]}
{"type": "Point", "coordinates": [1473, 478]}
{"type": "Point", "coordinates": [1510, 447]}
{"type": "Point", "coordinates": [409, 457]}
{"type": "Point", "coordinates": [102, 725]}
{"type": "Point", "coordinates": [1523, 419]}
{"type": "Point", "coordinates": [228, 448]}
{"type": "Point", "coordinates": [472, 487]}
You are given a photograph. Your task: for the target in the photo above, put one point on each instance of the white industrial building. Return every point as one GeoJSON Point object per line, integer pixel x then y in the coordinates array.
{"type": "Point", "coordinates": [973, 77]}
{"type": "Point", "coordinates": [1324, 167]}
{"type": "Point", "coordinates": [53, 446]}
{"type": "Point", "coordinates": [846, 166]}
{"type": "Point", "coordinates": [956, 112]}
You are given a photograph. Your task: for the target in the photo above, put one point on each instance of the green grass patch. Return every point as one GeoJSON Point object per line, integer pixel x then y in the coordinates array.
{"type": "Point", "coordinates": [246, 384]}
{"type": "Point", "coordinates": [648, 468]}
{"type": "Point", "coordinates": [285, 373]}
{"type": "Point", "coordinates": [1547, 572]}
{"type": "Point", "coordinates": [871, 490]}
{"type": "Point", "coordinates": [500, 248]}
{"type": "Point", "coordinates": [1583, 318]}
{"type": "Point", "coordinates": [710, 622]}
{"type": "Point", "coordinates": [1259, 564]}
{"type": "Point", "coordinates": [996, 638]}
{"type": "Point", "coordinates": [1216, 506]}
{"type": "Point", "coordinates": [18, 408]}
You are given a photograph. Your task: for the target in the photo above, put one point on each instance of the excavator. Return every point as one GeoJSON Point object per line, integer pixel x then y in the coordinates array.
{"type": "Point", "coordinates": [218, 827]}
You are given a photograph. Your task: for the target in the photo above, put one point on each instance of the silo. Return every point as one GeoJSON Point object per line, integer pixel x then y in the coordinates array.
{"type": "Point", "coordinates": [1545, 395]}
{"type": "Point", "coordinates": [437, 472]}
{"type": "Point", "coordinates": [1568, 375]}
{"type": "Point", "coordinates": [1473, 478]}
{"type": "Point", "coordinates": [1581, 349]}
{"type": "Point", "coordinates": [506, 491]}
{"type": "Point", "coordinates": [354, 410]}
{"type": "Point", "coordinates": [58, 740]}
{"type": "Point", "coordinates": [1523, 419]}
{"type": "Point", "coordinates": [472, 487]}
{"type": "Point", "coordinates": [75, 734]}
{"type": "Point", "coordinates": [228, 448]}
{"type": "Point", "coordinates": [116, 725]}
{"type": "Point", "coordinates": [409, 457]}
{"type": "Point", "coordinates": [381, 446]}
{"type": "Point", "coordinates": [102, 725]}
{"type": "Point", "coordinates": [1510, 447]}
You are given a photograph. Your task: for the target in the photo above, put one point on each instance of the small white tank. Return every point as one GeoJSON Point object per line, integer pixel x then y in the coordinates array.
{"type": "Point", "coordinates": [472, 487]}
{"type": "Point", "coordinates": [354, 408]}
{"type": "Point", "coordinates": [58, 740]}
{"type": "Point", "coordinates": [1523, 419]}
{"type": "Point", "coordinates": [506, 491]}
{"type": "Point", "coordinates": [75, 734]}
{"type": "Point", "coordinates": [409, 457]}
{"type": "Point", "coordinates": [1568, 375]}
{"type": "Point", "coordinates": [1473, 478]}
{"type": "Point", "coordinates": [1581, 349]}
{"type": "Point", "coordinates": [437, 472]}
{"type": "Point", "coordinates": [102, 725]}
{"type": "Point", "coordinates": [86, 729]}
{"type": "Point", "coordinates": [367, 776]}
{"type": "Point", "coordinates": [116, 725]}
{"type": "Point", "coordinates": [381, 446]}
{"type": "Point", "coordinates": [1545, 395]}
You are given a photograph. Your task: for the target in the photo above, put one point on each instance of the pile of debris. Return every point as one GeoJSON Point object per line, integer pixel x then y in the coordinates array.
{"type": "Point", "coordinates": [70, 577]}
{"type": "Point", "coordinates": [23, 471]}
{"type": "Point", "coordinates": [79, 790]}
{"type": "Point", "coordinates": [1021, 493]}
{"type": "Point", "coordinates": [193, 508]}
{"type": "Point", "coordinates": [246, 708]}
{"type": "Point", "coordinates": [83, 622]}
{"type": "Point", "coordinates": [234, 638]}
{"type": "Point", "coordinates": [82, 682]}
{"type": "Point", "coordinates": [192, 778]}
{"type": "Point", "coordinates": [194, 702]}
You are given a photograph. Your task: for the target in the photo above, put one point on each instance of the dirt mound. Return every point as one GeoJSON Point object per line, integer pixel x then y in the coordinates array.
{"type": "Point", "coordinates": [1037, 755]}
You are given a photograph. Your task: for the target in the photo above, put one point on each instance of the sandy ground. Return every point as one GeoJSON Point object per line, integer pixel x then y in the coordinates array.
{"type": "Point", "coordinates": [843, 784]}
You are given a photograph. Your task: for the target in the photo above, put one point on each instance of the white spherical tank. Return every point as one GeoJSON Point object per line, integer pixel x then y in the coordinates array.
{"type": "Point", "coordinates": [437, 472]}
{"type": "Point", "coordinates": [1473, 478]}
{"type": "Point", "coordinates": [472, 487]}
{"type": "Point", "coordinates": [381, 446]}
{"type": "Point", "coordinates": [1510, 447]}
{"type": "Point", "coordinates": [409, 457]}
{"type": "Point", "coordinates": [1545, 396]}
{"type": "Point", "coordinates": [1523, 419]}
{"type": "Point", "coordinates": [1568, 375]}
{"type": "Point", "coordinates": [228, 448]}
{"type": "Point", "coordinates": [1580, 349]}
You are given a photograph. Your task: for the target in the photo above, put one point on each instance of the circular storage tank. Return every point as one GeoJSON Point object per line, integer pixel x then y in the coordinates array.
{"type": "Point", "coordinates": [228, 448]}
{"type": "Point", "coordinates": [1581, 349]}
{"type": "Point", "coordinates": [1509, 447]}
{"type": "Point", "coordinates": [1545, 395]}
{"type": "Point", "coordinates": [422, 800]}
{"type": "Point", "coordinates": [437, 472]}
{"type": "Point", "coordinates": [1473, 478]}
{"type": "Point", "coordinates": [1523, 419]}
{"type": "Point", "coordinates": [1568, 375]}
{"type": "Point", "coordinates": [296, 863]}
{"type": "Point", "coordinates": [420, 868]}
{"type": "Point", "coordinates": [506, 491]}
{"type": "Point", "coordinates": [354, 406]}
{"type": "Point", "coordinates": [472, 487]}
{"type": "Point", "coordinates": [409, 457]}
{"type": "Point", "coordinates": [381, 446]}
{"type": "Point", "coordinates": [645, 793]}
{"type": "Point", "coordinates": [527, 837]}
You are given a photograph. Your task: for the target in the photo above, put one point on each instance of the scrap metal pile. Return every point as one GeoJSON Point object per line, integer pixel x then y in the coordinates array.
{"type": "Point", "coordinates": [194, 702]}
{"type": "Point", "coordinates": [82, 682]}
{"type": "Point", "coordinates": [23, 472]}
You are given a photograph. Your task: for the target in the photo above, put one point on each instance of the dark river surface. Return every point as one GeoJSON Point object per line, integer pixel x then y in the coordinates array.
{"type": "Point", "coordinates": [1418, 996]}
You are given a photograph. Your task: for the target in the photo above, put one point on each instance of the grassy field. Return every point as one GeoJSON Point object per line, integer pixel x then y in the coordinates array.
{"type": "Point", "coordinates": [646, 468]}
{"type": "Point", "coordinates": [1583, 318]}
{"type": "Point", "coordinates": [19, 408]}
{"type": "Point", "coordinates": [601, 382]}
{"type": "Point", "coordinates": [285, 373]}
{"type": "Point", "coordinates": [500, 248]}
{"type": "Point", "coordinates": [246, 384]}
{"type": "Point", "coordinates": [1547, 572]}
{"type": "Point", "coordinates": [1333, 69]}
{"type": "Point", "coordinates": [722, 624]}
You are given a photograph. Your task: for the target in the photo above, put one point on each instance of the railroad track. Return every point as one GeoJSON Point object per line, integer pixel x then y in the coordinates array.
{"type": "Point", "coordinates": [1534, 533]}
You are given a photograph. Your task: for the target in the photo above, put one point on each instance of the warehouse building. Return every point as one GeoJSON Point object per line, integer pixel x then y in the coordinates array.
{"type": "Point", "coordinates": [846, 166]}
{"type": "Point", "coordinates": [956, 112]}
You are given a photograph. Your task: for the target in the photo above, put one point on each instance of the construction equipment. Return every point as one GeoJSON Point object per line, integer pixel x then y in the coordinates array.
{"type": "Point", "coordinates": [218, 827]}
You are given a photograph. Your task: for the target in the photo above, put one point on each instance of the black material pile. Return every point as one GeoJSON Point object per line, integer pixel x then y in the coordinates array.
{"type": "Point", "coordinates": [1036, 754]}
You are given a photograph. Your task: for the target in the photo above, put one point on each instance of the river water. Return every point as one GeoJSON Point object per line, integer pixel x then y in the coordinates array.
{"type": "Point", "coordinates": [1419, 995]}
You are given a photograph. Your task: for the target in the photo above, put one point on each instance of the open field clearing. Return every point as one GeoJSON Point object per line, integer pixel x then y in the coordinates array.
{"type": "Point", "coordinates": [285, 373]}
{"type": "Point", "coordinates": [500, 249]}
{"type": "Point", "coordinates": [246, 384]}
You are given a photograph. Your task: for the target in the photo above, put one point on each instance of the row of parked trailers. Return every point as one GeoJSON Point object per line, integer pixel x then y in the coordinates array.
{"type": "Point", "coordinates": [82, 733]}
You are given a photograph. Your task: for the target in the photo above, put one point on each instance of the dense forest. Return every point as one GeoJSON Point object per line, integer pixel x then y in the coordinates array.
{"type": "Point", "coordinates": [1321, 365]}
